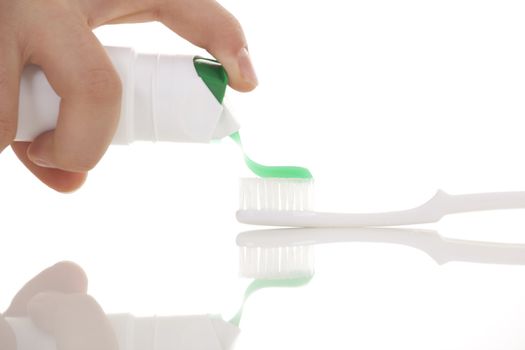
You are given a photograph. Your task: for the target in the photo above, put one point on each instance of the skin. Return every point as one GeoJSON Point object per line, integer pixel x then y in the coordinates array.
{"type": "Point", "coordinates": [57, 36]}
{"type": "Point", "coordinates": [57, 302]}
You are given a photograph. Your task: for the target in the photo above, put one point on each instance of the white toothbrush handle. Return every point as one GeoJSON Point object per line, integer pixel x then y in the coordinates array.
{"type": "Point", "coordinates": [432, 211]}
{"type": "Point", "coordinates": [441, 249]}
{"type": "Point", "coordinates": [480, 252]}
{"type": "Point", "coordinates": [481, 201]}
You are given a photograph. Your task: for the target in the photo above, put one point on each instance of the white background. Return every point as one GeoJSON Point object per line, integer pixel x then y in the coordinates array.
{"type": "Point", "coordinates": [385, 101]}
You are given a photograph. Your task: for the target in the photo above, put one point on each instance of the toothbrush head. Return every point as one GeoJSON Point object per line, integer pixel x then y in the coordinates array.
{"type": "Point", "coordinates": [276, 194]}
{"type": "Point", "coordinates": [272, 263]}
{"type": "Point", "coordinates": [276, 263]}
{"type": "Point", "coordinates": [264, 256]}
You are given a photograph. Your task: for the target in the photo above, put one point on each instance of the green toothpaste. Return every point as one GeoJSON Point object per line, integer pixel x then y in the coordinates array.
{"type": "Point", "coordinates": [288, 172]}
{"type": "Point", "coordinates": [262, 284]}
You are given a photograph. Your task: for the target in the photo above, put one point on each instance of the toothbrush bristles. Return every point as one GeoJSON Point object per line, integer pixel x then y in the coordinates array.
{"type": "Point", "coordinates": [276, 194]}
{"type": "Point", "coordinates": [276, 262]}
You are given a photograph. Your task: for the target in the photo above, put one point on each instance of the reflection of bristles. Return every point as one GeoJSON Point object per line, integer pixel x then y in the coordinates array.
{"type": "Point", "coordinates": [276, 194]}
{"type": "Point", "coordinates": [276, 262]}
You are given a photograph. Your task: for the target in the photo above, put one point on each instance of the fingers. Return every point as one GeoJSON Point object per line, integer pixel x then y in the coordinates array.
{"type": "Point", "coordinates": [10, 70]}
{"type": "Point", "coordinates": [7, 337]}
{"type": "Point", "coordinates": [65, 277]}
{"type": "Point", "coordinates": [76, 321]}
{"type": "Point", "coordinates": [207, 24]}
{"type": "Point", "coordinates": [59, 180]}
{"type": "Point", "coordinates": [78, 69]}
{"type": "Point", "coordinates": [204, 23]}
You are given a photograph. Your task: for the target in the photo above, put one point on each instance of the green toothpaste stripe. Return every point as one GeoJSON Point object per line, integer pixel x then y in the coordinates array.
{"type": "Point", "coordinates": [289, 172]}
{"type": "Point", "coordinates": [261, 284]}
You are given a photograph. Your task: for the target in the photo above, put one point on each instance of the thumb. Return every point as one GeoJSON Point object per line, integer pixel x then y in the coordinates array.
{"type": "Point", "coordinates": [207, 24]}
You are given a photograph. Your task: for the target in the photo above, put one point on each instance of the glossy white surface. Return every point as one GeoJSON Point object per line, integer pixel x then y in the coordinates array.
{"type": "Point", "coordinates": [385, 102]}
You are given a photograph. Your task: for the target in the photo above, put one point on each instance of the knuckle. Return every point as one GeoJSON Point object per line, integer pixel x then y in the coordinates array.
{"type": "Point", "coordinates": [101, 84]}
{"type": "Point", "coordinates": [230, 37]}
{"type": "Point", "coordinates": [156, 8]}
{"type": "Point", "coordinates": [156, 13]}
{"type": "Point", "coordinates": [232, 26]}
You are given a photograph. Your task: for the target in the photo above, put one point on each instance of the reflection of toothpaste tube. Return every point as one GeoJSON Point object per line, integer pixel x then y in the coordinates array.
{"type": "Point", "coordinates": [165, 98]}
{"type": "Point", "coordinates": [148, 333]}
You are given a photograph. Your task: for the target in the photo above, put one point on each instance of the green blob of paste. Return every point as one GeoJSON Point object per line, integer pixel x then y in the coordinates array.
{"type": "Point", "coordinates": [288, 172]}
{"type": "Point", "coordinates": [261, 284]}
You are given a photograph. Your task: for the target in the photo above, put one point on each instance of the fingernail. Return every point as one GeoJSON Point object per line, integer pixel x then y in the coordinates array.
{"type": "Point", "coordinates": [37, 156]}
{"type": "Point", "coordinates": [41, 162]}
{"type": "Point", "coordinates": [246, 67]}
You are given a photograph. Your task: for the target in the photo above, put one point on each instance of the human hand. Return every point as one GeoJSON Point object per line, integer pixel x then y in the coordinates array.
{"type": "Point", "coordinates": [57, 36]}
{"type": "Point", "coordinates": [57, 302]}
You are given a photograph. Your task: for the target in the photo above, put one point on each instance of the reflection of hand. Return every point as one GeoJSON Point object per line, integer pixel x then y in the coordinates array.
{"type": "Point", "coordinates": [56, 35]}
{"type": "Point", "coordinates": [57, 302]}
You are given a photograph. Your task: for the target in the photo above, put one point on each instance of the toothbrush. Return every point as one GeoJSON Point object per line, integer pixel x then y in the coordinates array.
{"type": "Point", "coordinates": [285, 257]}
{"type": "Point", "coordinates": [262, 251]}
{"type": "Point", "coordinates": [288, 203]}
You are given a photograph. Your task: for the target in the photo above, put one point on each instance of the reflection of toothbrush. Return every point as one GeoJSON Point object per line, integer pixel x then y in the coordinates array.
{"type": "Point", "coordinates": [298, 244]}
{"type": "Point", "coordinates": [288, 202]}
{"type": "Point", "coordinates": [282, 267]}
{"type": "Point", "coordinates": [290, 252]}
